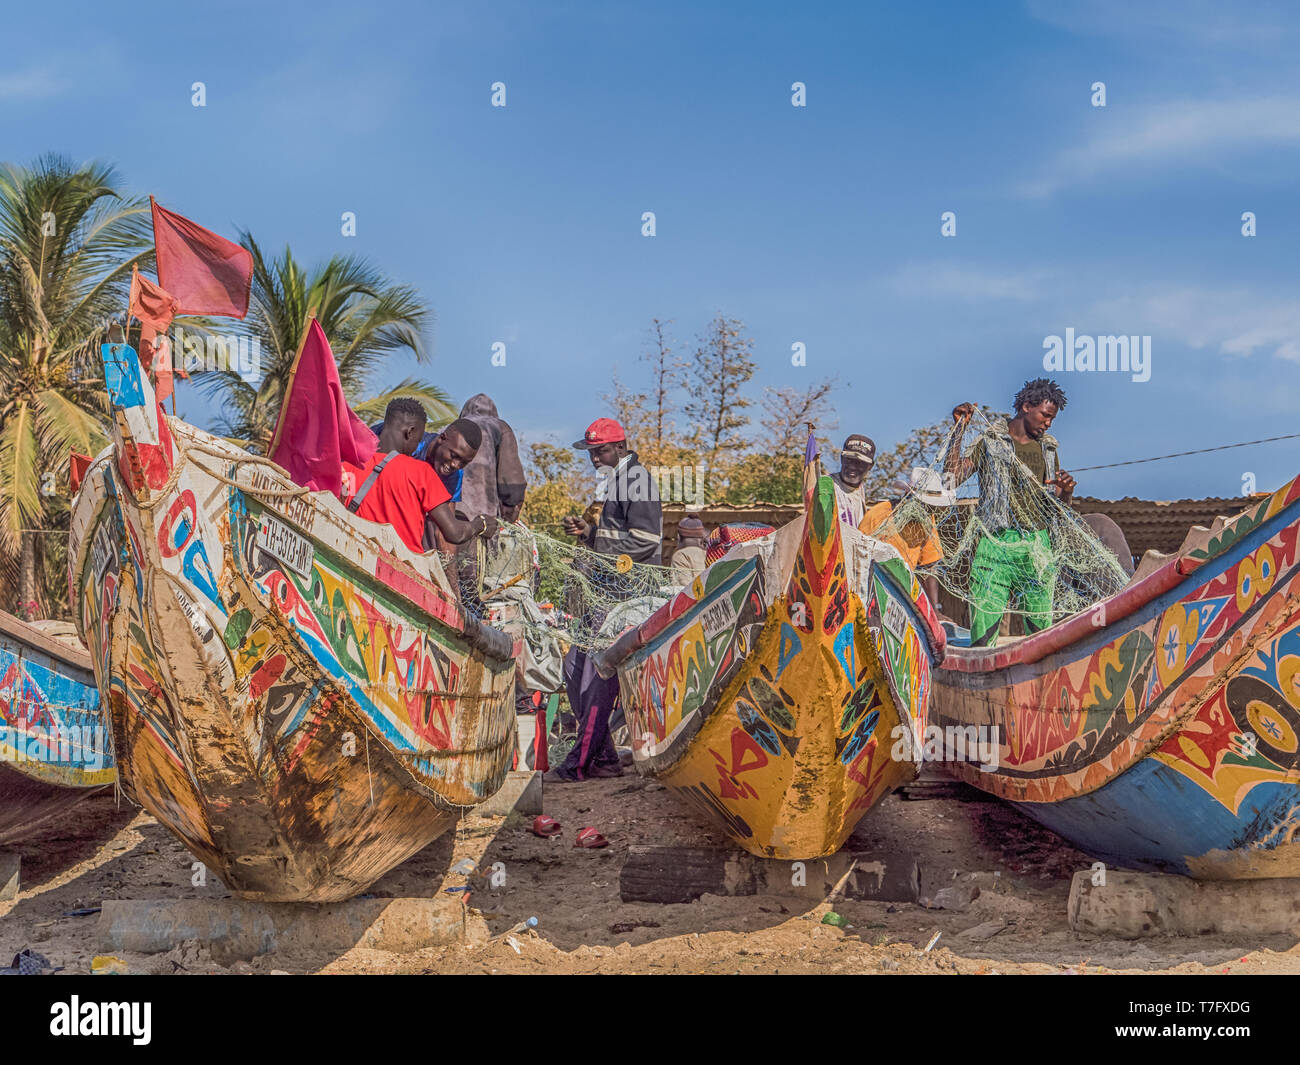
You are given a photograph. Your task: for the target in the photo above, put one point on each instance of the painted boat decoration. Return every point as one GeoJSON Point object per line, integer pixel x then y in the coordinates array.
{"type": "Point", "coordinates": [777, 691]}
{"type": "Point", "coordinates": [1159, 729]}
{"type": "Point", "coordinates": [292, 692]}
{"type": "Point", "coordinates": [55, 746]}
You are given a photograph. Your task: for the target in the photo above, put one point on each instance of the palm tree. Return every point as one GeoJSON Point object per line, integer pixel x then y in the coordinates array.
{"type": "Point", "coordinates": [366, 317]}
{"type": "Point", "coordinates": [68, 240]}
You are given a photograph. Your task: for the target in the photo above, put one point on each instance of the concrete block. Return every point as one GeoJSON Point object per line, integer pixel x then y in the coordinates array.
{"type": "Point", "coordinates": [1132, 905]}
{"type": "Point", "coordinates": [9, 878]}
{"type": "Point", "coordinates": [521, 793]}
{"type": "Point", "coordinates": [236, 929]}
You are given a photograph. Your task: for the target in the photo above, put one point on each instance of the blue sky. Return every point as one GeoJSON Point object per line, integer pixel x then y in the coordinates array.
{"type": "Point", "coordinates": [818, 225]}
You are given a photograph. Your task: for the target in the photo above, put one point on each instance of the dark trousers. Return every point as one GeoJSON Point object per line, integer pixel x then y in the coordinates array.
{"type": "Point", "coordinates": [592, 700]}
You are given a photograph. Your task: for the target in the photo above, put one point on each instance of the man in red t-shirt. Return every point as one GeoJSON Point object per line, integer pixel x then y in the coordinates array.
{"type": "Point", "coordinates": [395, 489]}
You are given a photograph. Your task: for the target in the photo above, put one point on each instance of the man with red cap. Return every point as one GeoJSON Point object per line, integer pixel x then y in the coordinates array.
{"type": "Point", "coordinates": [631, 524]}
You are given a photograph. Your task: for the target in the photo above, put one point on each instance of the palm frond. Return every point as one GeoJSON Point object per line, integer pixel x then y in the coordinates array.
{"type": "Point", "coordinates": [64, 426]}
{"type": "Point", "coordinates": [437, 403]}
{"type": "Point", "coordinates": [20, 500]}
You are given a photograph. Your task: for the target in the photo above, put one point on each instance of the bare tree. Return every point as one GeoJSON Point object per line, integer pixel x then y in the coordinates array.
{"type": "Point", "coordinates": [715, 404]}
{"type": "Point", "coordinates": [666, 371]}
{"type": "Point", "coordinates": [788, 412]}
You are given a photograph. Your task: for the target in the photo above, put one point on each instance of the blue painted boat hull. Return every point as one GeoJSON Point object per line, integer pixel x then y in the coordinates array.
{"type": "Point", "coordinates": [55, 746]}
{"type": "Point", "coordinates": [1164, 735]}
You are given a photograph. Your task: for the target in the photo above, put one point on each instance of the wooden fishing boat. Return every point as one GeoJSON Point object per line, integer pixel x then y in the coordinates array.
{"type": "Point", "coordinates": [1159, 729]}
{"type": "Point", "coordinates": [55, 747]}
{"type": "Point", "coordinates": [782, 690]}
{"type": "Point", "coordinates": [292, 692]}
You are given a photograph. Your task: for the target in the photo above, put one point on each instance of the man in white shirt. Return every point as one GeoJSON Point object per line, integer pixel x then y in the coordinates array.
{"type": "Point", "coordinates": [856, 459]}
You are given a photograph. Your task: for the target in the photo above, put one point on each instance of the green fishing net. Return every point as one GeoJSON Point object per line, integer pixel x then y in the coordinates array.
{"type": "Point", "coordinates": [580, 597]}
{"type": "Point", "coordinates": [1004, 526]}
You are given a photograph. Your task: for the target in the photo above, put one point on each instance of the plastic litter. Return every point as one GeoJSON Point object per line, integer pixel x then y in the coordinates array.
{"type": "Point", "coordinates": [28, 962]}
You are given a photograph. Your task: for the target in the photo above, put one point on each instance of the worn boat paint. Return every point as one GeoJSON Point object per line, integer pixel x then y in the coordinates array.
{"type": "Point", "coordinates": [292, 692]}
{"type": "Point", "coordinates": [1160, 729]}
{"type": "Point", "coordinates": [774, 690]}
{"type": "Point", "coordinates": [55, 747]}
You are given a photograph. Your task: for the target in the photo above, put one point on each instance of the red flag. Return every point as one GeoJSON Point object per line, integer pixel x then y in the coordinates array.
{"type": "Point", "coordinates": [77, 467]}
{"type": "Point", "coordinates": [206, 273]}
{"type": "Point", "coordinates": [316, 431]}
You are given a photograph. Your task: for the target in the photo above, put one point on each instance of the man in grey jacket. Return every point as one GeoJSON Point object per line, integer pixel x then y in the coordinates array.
{"type": "Point", "coordinates": [494, 482]}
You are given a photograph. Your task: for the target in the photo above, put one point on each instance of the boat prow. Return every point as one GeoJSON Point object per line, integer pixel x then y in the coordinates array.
{"type": "Point", "coordinates": [784, 690]}
{"type": "Point", "coordinates": [293, 693]}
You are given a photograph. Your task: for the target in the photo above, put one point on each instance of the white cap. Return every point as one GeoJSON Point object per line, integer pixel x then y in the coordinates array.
{"type": "Point", "coordinates": [929, 488]}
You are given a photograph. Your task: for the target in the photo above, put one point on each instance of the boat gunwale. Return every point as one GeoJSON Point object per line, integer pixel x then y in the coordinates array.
{"type": "Point", "coordinates": [1137, 604]}
{"type": "Point", "coordinates": [24, 633]}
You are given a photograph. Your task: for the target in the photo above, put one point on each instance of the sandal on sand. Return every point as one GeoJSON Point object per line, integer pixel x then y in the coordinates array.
{"type": "Point", "coordinates": [546, 827]}
{"type": "Point", "coordinates": [589, 837]}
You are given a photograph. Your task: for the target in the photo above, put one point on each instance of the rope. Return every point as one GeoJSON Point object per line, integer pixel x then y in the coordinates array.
{"type": "Point", "coordinates": [239, 460]}
{"type": "Point", "coordinates": [1180, 454]}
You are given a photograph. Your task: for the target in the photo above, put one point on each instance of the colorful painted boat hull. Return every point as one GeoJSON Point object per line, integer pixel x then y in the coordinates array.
{"type": "Point", "coordinates": [772, 693]}
{"type": "Point", "coordinates": [55, 747]}
{"type": "Point", "coordinates": [1160, 730]}
{"type": "Point", "coordinates": [292, 693]}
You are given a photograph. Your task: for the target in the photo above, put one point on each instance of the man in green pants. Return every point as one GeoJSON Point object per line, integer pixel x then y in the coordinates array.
{"type": "Point", "coordinates": [1014, 553]}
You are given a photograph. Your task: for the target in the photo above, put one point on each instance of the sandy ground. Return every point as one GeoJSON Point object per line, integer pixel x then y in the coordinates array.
{"type": "Point", "coordinates": [104, 851]}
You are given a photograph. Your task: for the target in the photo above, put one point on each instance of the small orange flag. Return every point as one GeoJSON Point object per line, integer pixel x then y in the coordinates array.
{"type": "Point", "coordinates": [155, 307]}
{"type": "Point", "coordinates": [151, 303]}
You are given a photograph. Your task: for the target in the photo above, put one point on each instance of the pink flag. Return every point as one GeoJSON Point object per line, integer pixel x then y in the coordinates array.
{"type": "Point", "coordinates": [207, 274]}
{"type": "Point", "coordinates": [316, 431]}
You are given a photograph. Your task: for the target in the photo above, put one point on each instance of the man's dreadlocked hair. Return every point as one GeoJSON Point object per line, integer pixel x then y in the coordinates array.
{"type": "Point", "coordinates": [1037, 391]}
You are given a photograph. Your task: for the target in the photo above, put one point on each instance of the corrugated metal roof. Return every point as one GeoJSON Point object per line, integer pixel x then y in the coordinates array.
{"type": "Point", "coordinates": [1148, 524]}
{"type": "Point", "coordinates": [1161, 525]}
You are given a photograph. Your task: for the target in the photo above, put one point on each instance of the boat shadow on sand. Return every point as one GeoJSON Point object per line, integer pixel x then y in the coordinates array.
{"type": "Point", "coordinates": [574, 893]}
{"type": "Point", "coordinates": [73, 836]}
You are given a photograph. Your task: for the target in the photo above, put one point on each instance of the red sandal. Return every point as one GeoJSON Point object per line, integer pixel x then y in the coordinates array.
{"type": "Point", "coordinates": [546, 827]}
{"type": "Point", "coordinates": [589, 837]}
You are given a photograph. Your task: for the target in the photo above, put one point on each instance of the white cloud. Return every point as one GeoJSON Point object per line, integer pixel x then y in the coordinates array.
{"type": "Point", "coordinates": [1197, 22]}
{"type": "Point", "coordinates": [1182, 132]}
{"type": "Point", "coordinates": [1237, 322]}
{"type": "Point", "coordinates": [970, 284]}
{"type": "Point", "coordinates": [1231, 321]}
{"type": "Point", "coordinates": [34, 83]}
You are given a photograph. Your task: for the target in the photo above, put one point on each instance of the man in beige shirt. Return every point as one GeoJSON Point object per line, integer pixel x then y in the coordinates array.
{"type": "Point", "coordinates": [688, 560]}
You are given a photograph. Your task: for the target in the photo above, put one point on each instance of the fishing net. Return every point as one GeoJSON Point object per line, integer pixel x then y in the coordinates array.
{"type": "Point", "coordinates": [565, 591]}
{"type": "Point", "coordinates": [1011, 547]}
